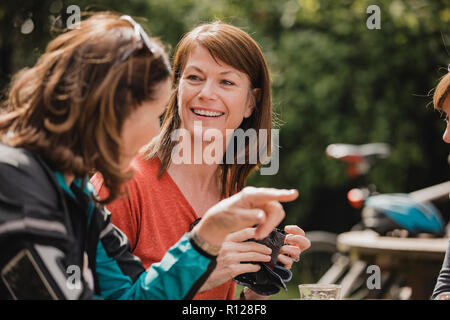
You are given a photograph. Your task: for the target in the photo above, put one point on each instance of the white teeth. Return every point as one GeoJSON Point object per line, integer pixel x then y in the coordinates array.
{"type": "Point", "coordinates": [207, 113]}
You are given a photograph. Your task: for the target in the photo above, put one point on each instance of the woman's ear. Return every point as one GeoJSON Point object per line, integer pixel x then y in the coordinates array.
{"type": "Point", "coordinates": [254, 99]}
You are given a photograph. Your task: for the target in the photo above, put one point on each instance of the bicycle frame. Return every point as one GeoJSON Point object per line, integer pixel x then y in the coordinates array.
{"type": "Point", "coordinates": [360, 159]}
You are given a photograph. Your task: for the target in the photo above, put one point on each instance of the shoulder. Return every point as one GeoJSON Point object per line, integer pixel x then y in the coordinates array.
{"type": "Point", "coordinates": [147, 169]}
{"type": "Point", "coordinates": [16, 158]}
{"type": "Point", "coordinates": [145, 175]}
{"type": "Point", "coordinates": [145, 182]}
{"type": "Point", "coordinates": [28, 188]}
{"type": "Point", "coordinates": [24, 175]}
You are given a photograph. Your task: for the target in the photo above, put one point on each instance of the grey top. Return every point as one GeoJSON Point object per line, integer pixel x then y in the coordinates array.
{"type": "Point", "coordinates": [443, 281]}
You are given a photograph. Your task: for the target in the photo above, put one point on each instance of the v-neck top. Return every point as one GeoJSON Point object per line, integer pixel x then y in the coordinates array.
{"type": "Point", "coordinates": [154, 214]}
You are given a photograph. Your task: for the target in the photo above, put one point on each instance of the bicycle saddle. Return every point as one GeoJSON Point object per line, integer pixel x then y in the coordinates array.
{"type": "Point", "coordinates": [352, 153]}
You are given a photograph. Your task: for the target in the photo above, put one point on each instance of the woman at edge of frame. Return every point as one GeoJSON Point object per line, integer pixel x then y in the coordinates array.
{"type": "Point", "coordinates": [441, 102]}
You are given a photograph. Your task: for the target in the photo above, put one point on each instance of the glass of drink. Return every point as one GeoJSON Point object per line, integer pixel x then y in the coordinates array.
{"type": "Point", "coordinates": [320, 291]}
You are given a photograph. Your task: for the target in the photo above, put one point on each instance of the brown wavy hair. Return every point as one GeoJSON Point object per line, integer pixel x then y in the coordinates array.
{"type": "Point", "coordinates": [70, 106]}
{"type": "Point", "coordinates": [237, 49]}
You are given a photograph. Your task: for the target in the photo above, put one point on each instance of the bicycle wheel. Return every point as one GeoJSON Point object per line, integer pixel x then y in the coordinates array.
{"type": "Point", "coordinates": [315, 261]}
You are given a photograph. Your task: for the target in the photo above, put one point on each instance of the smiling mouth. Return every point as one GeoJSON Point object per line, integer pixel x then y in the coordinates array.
{"type": "Point", "coordinates": [207, 113]}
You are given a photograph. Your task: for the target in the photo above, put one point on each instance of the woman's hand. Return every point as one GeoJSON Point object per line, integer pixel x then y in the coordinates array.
{"type": "Point", "coordinates": [252, 206]}
{"type": "Point", "coordinates": [295, 244]}
{"type": "Point", "coordinates": [235, 250]}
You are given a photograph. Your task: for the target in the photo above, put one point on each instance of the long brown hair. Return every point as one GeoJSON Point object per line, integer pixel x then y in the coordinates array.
{"type": "Point", "coordinates": [236, 48]}
{"type": "Point", "coordinates": [70, 106]}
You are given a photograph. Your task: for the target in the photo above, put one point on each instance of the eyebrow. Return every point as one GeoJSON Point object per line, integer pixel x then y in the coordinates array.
{"type": "Point", "coordinates": [221, 73]}
{"type": "Point", "coordinates": [227, 72]}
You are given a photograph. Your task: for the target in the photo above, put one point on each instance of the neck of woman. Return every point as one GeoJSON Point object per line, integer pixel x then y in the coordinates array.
{"type": "Point", "coordinates": [200, 166]}
{"type": "Point", "coordinates": [201, 177]}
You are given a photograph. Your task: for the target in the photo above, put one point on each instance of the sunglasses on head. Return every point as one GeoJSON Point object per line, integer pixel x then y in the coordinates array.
{"type": "Point", "coordinates": [142, 39]}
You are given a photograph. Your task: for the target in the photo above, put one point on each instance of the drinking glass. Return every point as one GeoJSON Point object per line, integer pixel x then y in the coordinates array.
{"type": "Point", "coordinates": [320, 291]}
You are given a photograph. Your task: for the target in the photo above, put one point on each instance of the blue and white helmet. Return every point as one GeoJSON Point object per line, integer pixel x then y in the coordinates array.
{"type": "Point", "coordinates": [386, 212]}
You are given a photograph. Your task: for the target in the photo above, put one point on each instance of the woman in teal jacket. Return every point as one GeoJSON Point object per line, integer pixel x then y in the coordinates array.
{"type": "Point", "coordinates": [90, 103]}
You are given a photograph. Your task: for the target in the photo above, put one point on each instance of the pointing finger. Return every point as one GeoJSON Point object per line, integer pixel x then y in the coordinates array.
{"type": "Point", "coordinates": [259, 196]}
{"type": "Point", "coordinates": [274, 215]}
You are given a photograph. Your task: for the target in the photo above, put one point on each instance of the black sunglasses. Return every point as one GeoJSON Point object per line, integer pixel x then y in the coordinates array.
{"type": "Point", "coordinates": [143, 39]}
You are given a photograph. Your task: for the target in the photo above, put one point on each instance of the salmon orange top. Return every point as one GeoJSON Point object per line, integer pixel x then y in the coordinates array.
{"type": "Point", "coordinates": [154, 214]}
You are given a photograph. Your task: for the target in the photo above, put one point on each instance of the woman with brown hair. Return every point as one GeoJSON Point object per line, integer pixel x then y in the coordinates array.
{"type": "Point", "coordinates": [89, 104]}
{"type": "Point", "coordinates": [441, 101]}
{"type": "Point", "coordinates": [221, 92]}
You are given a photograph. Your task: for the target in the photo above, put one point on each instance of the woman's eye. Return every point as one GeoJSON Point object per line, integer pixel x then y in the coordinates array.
{"type": "Point", "coordinates": [227, 82]}
{"type": "Point", "coordinates": [193, 77]}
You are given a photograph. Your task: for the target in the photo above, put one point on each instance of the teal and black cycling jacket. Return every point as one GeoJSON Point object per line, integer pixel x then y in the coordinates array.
{"type": "Point", "coordinates": [57, 243]}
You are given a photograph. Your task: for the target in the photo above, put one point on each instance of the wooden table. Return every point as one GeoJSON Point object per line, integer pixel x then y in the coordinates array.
{"type": "Point", "coordinates": [417, 260]}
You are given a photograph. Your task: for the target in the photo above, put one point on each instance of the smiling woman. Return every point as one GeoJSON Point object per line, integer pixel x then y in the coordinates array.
{"type": "Point", "coordinates": [220, 84]}
{"type": "Point", "coordinates": [91, 101]}
{"type": "Point", "coordinates": [213, 92]}
{"type": "Point", "coordinates": [218, 68]}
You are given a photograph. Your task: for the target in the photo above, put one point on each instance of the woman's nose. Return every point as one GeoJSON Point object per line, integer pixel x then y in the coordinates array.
{"type": "Point", "coordinates": [208, 91]}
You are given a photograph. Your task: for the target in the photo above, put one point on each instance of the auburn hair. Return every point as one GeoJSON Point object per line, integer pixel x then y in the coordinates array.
{"type": "Point", "coordinates": [441, 92]}
{"type": "Point", "coordinates": [70, 106]}
{"type": "Point", "coordinates": [237, 49]}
